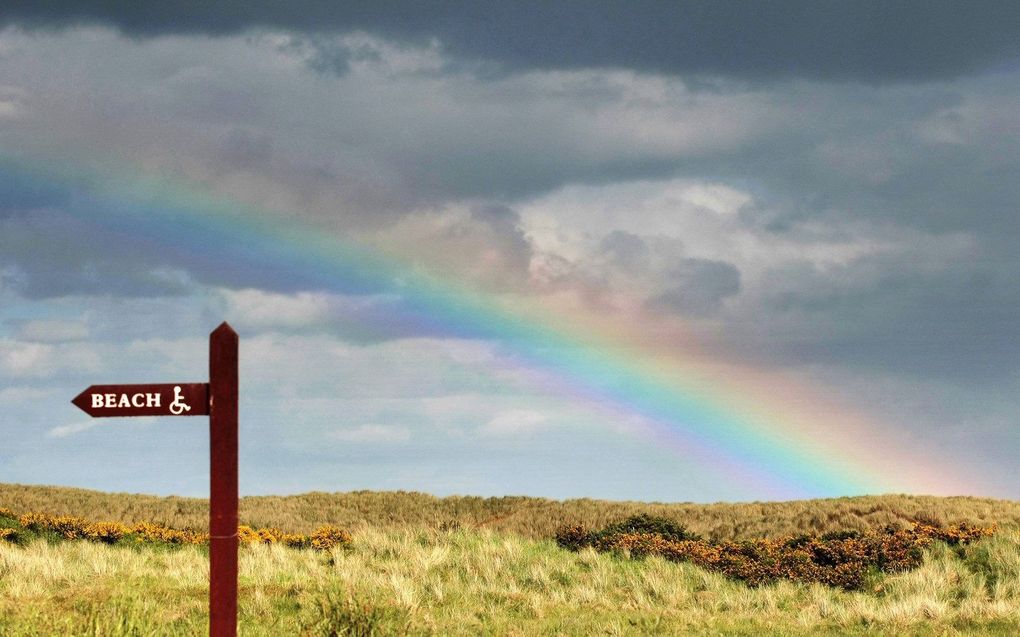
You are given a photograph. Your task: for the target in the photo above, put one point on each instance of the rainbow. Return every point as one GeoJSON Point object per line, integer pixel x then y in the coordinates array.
{"type": "Point", "coordinates": [749, 426]}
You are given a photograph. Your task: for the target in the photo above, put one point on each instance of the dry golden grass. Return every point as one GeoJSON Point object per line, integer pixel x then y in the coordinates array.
{"type": "Point", "coordinates": [529, 517]}
{"type": "Point", "coordinates": [471, 582]}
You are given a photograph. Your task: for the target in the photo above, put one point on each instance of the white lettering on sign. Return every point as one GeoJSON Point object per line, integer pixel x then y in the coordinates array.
{"type": "Point", "coordinates": [112, 401]}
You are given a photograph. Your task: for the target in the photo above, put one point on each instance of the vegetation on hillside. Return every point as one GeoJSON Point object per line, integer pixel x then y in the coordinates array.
{"type": "Point", "coordinates": [441, 569]}
{"type": "Point", "coordinates": [530, 517]}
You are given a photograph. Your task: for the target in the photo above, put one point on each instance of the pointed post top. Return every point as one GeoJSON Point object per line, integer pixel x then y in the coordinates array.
{"type": "Point", "coordinates": [224, 328]}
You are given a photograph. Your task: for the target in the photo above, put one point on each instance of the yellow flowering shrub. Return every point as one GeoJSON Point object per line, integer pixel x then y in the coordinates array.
{"type": "Point", "coordinates": [156, 533]}
{"type": "Point", "coordinates": [271, 535]}
{"type": "Point", "coordinates": [296, 541]}
{"type": "Point", "coordinates": [247, 535]}
{"type": "Point", "coordinates": [327, 537]}
{"type": "Point", "coordinates": [34, 521]}
{"type": "Point", "coordinates": [8, 534]}
{"type": "Point", "coordinates": [68, 526]}
{"type": "Point", "coordinates": [112, 532]}
{"type": "Point", "coordinates": [108, 532]}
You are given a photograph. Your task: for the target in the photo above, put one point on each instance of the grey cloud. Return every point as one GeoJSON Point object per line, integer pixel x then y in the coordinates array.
{"type": "Point", "coordinates": [487, 245]}
{"type": "Point", "coordinates": [698, 287]}
{"type": "Point", "coordinates": [229, 111]}
{"type": "Point", "coordinates": [820, 39]}
{"type": "Point", "coordinates": [48, 258]}
{"type": "Point", "coordinates": [891, 313]}
{"type": "Point", "coordinates": [46, 254]}
{"type": "Point", "coordinates": [22, 193]}
{"type": "Point", "coordinates": [245, 150]}
{"type": "Point", "coordinates": [940, 158]}
{"type": "Point", "coordinates": [404, 143]}
{"type": "Point", "coordinates": [936, 158]}
{"type": "Point", "coordinates": [509, 238]}
{"type": "Point", "coordinates": [627, 251]}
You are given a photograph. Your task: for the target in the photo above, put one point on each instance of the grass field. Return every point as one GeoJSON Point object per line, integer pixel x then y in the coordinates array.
{"type": "Point", "coordinates": [416, 571]}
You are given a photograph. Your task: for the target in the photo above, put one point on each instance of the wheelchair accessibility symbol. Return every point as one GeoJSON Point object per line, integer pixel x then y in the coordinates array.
{"type": "Point", "coordinates": [178, 406]}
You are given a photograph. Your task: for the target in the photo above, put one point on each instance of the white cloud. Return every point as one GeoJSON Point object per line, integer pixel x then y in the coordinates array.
{"type": "Point", "coordinates": [50, 331]}
{"type": "Point", "coordinates": [373, 433]}
{"type": "Point", "coordinates": [25, 359]}
{"type": "Point", "coordinates": [261, 309]}
{"type": "Point", "coordinates": [22, 395]}
{"type": "Point", "coordinates": [515, 422]}
{"type": "Point", "coordinates": [63, 431]}
{"type": "Point", "coordinates": [172, 357]}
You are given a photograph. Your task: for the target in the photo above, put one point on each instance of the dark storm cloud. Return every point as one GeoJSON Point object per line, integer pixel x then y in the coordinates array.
{"type": "Point", "coordinates": [823, 39]}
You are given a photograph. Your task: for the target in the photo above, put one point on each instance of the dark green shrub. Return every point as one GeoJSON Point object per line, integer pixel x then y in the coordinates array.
{"type": "Point", "coordinates": [650, 525]}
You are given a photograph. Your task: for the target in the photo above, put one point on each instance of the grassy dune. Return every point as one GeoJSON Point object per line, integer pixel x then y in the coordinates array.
{"type": "Point", "coordinates": [529, 517]}
{"type": "Point", "coordinates": [412, 571]}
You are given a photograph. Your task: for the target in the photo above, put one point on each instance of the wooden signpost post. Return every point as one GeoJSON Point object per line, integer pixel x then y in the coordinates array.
{"type": "Point", "coordinates": [218, 400]}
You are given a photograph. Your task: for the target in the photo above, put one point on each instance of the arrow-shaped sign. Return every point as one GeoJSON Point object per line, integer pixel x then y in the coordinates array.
{"type": "Point", "coordinates": [176, 399]}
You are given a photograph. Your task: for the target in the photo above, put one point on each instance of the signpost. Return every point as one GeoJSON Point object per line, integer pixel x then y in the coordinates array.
{"type": "Point", "coordinates": [218, 400]}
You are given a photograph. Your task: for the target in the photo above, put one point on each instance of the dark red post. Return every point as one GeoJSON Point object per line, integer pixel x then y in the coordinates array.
{"type": "Point", "coordinates": [223, 482]}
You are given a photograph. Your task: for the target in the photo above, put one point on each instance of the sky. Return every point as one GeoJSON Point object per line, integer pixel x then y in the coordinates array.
{"type": "Point", "coordinates": [691, 251]}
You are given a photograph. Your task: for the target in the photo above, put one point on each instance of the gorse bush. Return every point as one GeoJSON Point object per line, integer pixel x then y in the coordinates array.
{"type": "Point", "coordinates": [108, 532]}
{"type": "Point", "coordinates": [146, 532]}
{"type": "Point", "coordinates": [271, 535]}
{"type": "Point", "coordinates": [328, 537]}
{"type": "Point", "coordinates": [844, 560]}
{"type": "Point", "coordinates": [75, 528]}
